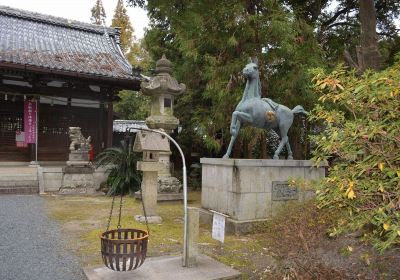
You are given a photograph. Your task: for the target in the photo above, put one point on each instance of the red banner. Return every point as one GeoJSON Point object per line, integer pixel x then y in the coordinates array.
{"type": "Point", "coordinates": [30, 108]}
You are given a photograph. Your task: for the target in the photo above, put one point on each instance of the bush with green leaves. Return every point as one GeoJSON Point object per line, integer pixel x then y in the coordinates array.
{"type": "Point", "coordinates": [361, 139]}
{"type": "Point", "coordinates": [120, 162]}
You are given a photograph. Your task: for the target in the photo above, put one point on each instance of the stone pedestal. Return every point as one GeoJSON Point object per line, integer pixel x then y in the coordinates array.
{"type": "Point", "coordinates": [78, 175]}
{"type": "Point", "coordinates": [250, 190]}
{"type": "Point", "coordinates": [78, 180]}
{"type": "Point", "coordinates": [149, 190]}
{"type": "Point", "coordinates": [78, 158]}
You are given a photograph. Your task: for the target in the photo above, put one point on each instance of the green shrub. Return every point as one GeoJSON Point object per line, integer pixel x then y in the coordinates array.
{"type": "Point", "coordinates": [361, 139]}
{"type": "Point", "coordinates": [121, 165]}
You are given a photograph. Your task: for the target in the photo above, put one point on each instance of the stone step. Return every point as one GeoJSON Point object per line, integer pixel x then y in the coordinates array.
{"type": "Point", "coordinates": [19, 183]}
{"type": "Point", "coordinates": [18, 174]}
{"type": "Point", "coordinates": [19, 190]}
{"type": "Point", "coordinates": [18, 180]}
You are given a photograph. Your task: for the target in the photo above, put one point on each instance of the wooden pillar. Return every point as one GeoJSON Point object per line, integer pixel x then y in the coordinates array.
{"type": "Point", "coordinates": [109, 132]}
{"type": "Point", "coordinates": [100, 135]}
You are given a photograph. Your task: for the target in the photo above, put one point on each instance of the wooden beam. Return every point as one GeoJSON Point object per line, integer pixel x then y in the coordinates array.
{"type": "Point", "coordinates": [55, 91]}
{"type": "Point", "coordinates": [132, 84]}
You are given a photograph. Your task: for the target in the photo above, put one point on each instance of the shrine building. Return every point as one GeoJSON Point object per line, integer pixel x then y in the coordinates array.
{"type": "Point", "coordinates": [57, 73]}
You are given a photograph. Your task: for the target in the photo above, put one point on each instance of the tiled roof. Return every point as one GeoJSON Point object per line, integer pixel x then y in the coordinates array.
{"type": "Point", "coordinates": [61, 46]}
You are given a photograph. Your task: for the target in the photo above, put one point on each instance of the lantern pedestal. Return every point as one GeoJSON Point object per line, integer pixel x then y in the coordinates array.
{"type": "Point", "coordinates": [149, 190]}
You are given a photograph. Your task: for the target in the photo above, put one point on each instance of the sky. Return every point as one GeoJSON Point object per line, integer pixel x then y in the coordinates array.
{"type": "Point", "coordinates": [80, 10]}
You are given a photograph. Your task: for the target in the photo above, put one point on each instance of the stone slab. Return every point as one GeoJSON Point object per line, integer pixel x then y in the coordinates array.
{"type": "Point", "coordinates": [77, 163]}
{"type": "Point", "coordinates": [78, 156]}
{"type": "Point", "coordinates": [163, 196]}
{"type": "Point", "coordinates": [168, 268]}
{"type": "Point", "coordinates": [78, 170]}
{"type": "Point", "coordinates": [150, 219]}
{"type": "Point", "coordinates": [261, 162]}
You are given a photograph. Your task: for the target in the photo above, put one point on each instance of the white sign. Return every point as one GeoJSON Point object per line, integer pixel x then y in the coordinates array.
{"type": "Point", "coordinates": [20, 136]}
{"type": "Point", "coordinates": [218, 228]}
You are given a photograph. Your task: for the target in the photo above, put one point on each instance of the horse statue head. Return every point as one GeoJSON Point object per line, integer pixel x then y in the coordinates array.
{"type": "Point", "coordinates": [250, 71]}
{"type": "Point", "coordinates": [252, 75]}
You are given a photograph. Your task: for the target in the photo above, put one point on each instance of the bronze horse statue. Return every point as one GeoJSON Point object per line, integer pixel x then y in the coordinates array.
{"type": "Point", "coordinates": [261, 112]}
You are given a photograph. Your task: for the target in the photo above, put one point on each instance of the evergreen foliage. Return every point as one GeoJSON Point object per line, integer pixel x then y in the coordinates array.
{"type": "Point", "coordinates": [210, 42]}
{"type": "Point", "coordinates": [98, 14]}
{"type": "Point", "coordinates": [121, 20]}
{"type": "Point", "coordinates": [132, 105]}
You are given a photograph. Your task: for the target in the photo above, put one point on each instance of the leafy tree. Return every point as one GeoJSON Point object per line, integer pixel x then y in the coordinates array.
{"type": "Point", "coordinates": [121, 20]}
{"type": "Point", "coordinates": [132, 106]}
{"type": "Point", "coordinates": [362, 117]}
{"type": "Point", "coordinates": [98, 14]}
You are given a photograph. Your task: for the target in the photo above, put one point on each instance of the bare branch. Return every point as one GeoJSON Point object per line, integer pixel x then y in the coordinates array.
{"type": "Point", "coordinates": [350, 61]}
{"type": "Point", "coordinates": [341, 23]}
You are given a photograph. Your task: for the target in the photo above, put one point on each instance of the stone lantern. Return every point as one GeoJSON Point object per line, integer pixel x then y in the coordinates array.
{"type": "Point", "coordinates": [150, 144]}
{"type": "Point", "coordinates": [162, 88]}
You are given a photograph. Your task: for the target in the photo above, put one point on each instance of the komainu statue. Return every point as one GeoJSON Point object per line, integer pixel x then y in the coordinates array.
{"type": "Point", "coordinates": [261, 112]}
{"type": "Point", "coordinates": [78, 142]}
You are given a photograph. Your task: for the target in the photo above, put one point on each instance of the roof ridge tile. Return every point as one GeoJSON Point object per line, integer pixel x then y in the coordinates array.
{"type": "Point", "coordinates": [59, 21]}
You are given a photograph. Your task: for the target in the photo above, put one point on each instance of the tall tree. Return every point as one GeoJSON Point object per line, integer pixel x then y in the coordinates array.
{"type": "Point", "coordinates": [210, 42]}
{"type": "Point", "coordinates": [368, 55]}
{"type": "Point", "coordinates": [98, 14]}
{"type": "Point", "coordinates": [338, 25]}
{"type": "Point", "coordinates": [121, 20]}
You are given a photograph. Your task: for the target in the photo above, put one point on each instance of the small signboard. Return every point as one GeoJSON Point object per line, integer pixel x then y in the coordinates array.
{"type": "Point", "coordinates": [282, 191]}
{"type": "Point", "coordinates": [20, 139]}
{"type": "Point", "coordinates": [218, 227]}
{"type": "Point", "coordinates": [30, 108]}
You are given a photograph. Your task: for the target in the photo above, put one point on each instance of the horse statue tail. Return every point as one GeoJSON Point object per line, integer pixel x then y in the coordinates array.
{"type": "Point", "coordinates": [299, 110]}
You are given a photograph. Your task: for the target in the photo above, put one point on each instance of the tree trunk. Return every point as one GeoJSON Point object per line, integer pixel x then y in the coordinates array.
{"type": "Point", "coordinates": [369, 53]}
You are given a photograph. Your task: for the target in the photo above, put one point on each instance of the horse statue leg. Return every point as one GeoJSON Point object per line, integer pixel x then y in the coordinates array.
{"type": "Point", "coordinates": [284, 126]}
{"type": "Point", "coordinates": [289, 150]}
{"type": "Point", "coordinates": [237, 117]}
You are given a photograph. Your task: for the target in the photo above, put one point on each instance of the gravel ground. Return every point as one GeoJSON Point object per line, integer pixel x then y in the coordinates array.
{"type": "Point", "coordinates": [31, 245]}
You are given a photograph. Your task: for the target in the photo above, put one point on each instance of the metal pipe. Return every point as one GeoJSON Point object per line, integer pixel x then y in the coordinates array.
{"type": "Point", "coordinates": [185, 229]}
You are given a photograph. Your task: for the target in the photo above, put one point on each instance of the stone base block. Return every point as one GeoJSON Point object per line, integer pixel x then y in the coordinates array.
{"type": "Point", "coordinates": [150, 219]}
{"type": "Point", "coordinates": [249, 190]}
{"type": "Point", "coordinates": [163, 196]}
{"type": "Point", "coordinates": [79, 163]}
{"type": "Point", "coordinates": [73, 169]}
{"type": "Point", "coordinates": [77, 183]}
{"type": "Point", "coordinates": [233, 226]}
{"type": "Point", "coordinates": [82, 155]}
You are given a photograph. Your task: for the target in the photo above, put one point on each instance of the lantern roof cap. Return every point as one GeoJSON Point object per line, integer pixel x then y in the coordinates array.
{"type": "Point", "coordinates": [164, 65]}
{"type": "Point", "coordinates": [150, 141]}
